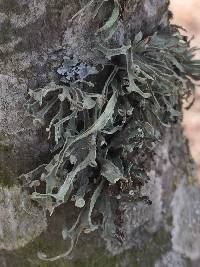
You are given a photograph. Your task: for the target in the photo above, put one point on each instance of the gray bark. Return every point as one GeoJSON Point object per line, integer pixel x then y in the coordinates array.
{"type": "Point", "coordinates": [34, 37]}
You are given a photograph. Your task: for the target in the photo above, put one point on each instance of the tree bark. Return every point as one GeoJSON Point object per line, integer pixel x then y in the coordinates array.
{"type": "Point", "coordinates": [34, 37]}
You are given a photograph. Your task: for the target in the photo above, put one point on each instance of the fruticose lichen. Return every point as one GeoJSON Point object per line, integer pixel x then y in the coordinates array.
{"type": "Point", "coordinates": [98, 130]}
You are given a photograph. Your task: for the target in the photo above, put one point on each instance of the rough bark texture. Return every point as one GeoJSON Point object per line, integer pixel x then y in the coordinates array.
{"type": "Point", "coordinates": [34, 36]}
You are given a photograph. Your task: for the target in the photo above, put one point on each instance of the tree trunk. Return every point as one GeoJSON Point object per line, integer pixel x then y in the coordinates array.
{"type": "Point", "coordinates": [35, 35]}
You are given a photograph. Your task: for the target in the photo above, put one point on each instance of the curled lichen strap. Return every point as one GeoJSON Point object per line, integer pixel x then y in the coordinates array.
{"type": "Point", "coordinates": [131, 75]}
{"type": "Point", "coordinates": [111, 52]}
{"type": "Point", "coordinates": [111, 21]}
{"type": "Point", "coordinates": [97, 126]}
{"type": "Point", "coordinates": [43, 256]}
{"type": "Point", "coordinates": [81, 10]}
{"type": "Point", "coordinates": [94, 198]}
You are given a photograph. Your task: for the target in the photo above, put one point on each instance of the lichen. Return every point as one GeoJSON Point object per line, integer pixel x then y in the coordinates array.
{"type": "Point", "coordinates": [100, 127]}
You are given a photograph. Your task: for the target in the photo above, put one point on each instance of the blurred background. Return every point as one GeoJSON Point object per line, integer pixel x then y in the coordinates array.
{"type": "Point", "coordinates": [187, 14]}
